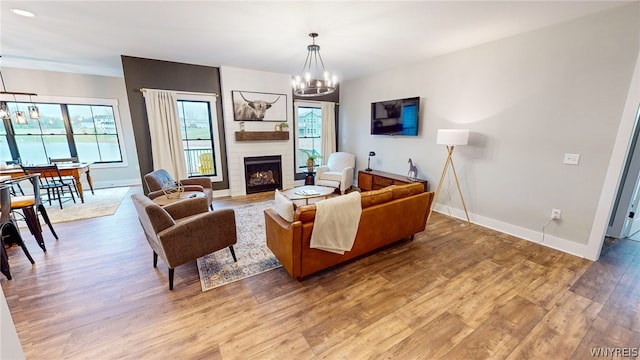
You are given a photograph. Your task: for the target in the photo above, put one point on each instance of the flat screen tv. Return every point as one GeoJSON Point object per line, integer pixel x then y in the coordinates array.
{"type": "Point", "coordinates": [395, 117]}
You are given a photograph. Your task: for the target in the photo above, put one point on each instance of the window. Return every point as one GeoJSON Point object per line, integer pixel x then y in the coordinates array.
{"type": "Point", "coordinates": [200, 140]}
{"type": "Point", "coordinates": [309, 135]}
{"type": "Point", "coordinates": [94, 133]}
{"type": "Point", "coordinates": [65, 129]}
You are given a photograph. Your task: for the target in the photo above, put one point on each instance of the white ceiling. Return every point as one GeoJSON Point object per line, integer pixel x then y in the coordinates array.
{"type": "Point", "coordinates": [356, 37]}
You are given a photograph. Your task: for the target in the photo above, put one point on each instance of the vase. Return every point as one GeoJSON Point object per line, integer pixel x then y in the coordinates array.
{"type": "Point", "coordinates": [310, 165]}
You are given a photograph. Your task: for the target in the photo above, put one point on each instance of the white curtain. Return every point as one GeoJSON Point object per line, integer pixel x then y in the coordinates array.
{"type": "Point", "coordinates": [328, 130]}
{"type": "Point", "coordinates": [164, 128]}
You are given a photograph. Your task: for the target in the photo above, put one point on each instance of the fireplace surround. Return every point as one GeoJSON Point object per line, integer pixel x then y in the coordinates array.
{"type": "Point", "coordinates": [262, 173]}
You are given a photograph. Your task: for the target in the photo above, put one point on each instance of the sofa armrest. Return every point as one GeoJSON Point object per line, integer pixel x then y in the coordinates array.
{"type": "Point", "coordinates": [192, 188]}
{"type": "Point", "coordinates": [202, 181]}
{"type": "Point", "coordinates": [284, 240]}
{"type": "Point", "coordinates": [320, 170]}
{"type": "Point", "coordinates": [347, 179]}
{"type": "Point", "coordinates": [154, 194]}
{"type": "Point", "coordinates": [187, 207]}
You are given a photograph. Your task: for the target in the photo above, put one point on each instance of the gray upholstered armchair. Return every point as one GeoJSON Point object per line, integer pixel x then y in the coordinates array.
{"type": "Point", "coordinates": [160, 178]}
{"type": "Point", "coordinates": [338, 172]}
{"type": "Point", "coordinates": [185, 230]}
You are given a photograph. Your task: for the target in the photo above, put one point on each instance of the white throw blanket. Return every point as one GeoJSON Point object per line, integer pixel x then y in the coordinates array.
{"type": "Point", "coordinates": [336, 223]}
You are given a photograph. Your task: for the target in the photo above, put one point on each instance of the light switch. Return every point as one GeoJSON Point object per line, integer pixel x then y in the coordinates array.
{"type": "Point", "coordinates": [571, 159]}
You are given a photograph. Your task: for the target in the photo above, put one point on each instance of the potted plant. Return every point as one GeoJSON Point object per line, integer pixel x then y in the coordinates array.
{"type": "Point", "coordinates": [311, 159]}
{"type": "Point", "coordinates": [284, 126]}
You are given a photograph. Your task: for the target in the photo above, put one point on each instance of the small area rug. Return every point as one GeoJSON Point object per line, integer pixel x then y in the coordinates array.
{"type": "Point", "coordinates": [103, 203]}
{"type": "Point", "coordinates": [254, 257]}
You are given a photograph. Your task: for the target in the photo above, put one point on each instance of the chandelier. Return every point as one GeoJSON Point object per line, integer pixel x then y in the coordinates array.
{"type": "Point", "coordinates": [314, 80]}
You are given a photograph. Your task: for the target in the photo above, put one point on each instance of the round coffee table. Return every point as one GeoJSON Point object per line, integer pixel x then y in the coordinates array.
{"type": "Point", "coordinates": [163, 200]}
{"type": "Point", "coordinates": [308, 192]}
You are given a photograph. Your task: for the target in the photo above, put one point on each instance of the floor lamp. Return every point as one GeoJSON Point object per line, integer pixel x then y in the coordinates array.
{"type": "Point", "coordinates": [451, 138]}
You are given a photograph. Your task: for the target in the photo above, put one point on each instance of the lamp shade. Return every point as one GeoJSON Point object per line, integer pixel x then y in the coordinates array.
{"type": "Point", "coordinates": [452, 137]}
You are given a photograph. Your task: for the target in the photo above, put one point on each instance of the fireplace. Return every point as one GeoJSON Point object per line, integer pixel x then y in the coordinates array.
{"type": "Point", "coordinates": [262, 173]}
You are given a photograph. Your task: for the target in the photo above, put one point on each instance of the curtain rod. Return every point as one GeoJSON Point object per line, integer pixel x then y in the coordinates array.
{"type": "Point", "coordinates": [142, 90]}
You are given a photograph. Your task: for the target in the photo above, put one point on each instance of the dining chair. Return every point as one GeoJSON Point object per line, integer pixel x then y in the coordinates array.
{"type": "Point", "coordinates": [67, 160]}
{"type": "Point", "coordinates": [30, 205]}
{"type": "Point", "coordinates": [52, 182]}
{"type": "Point", "coordinates": [9, 233]}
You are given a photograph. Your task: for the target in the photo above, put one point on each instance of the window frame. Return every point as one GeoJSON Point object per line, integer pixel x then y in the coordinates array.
{"type": "Point", "coordinates": [296, 105]}
{"type": "Point", "coordinates": [63, 100]}
{"type": "Point", "coordinates": [215, 131]}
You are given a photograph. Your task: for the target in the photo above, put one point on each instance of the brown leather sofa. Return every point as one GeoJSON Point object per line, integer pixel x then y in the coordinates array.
{"type": "Point", "coordinates": [388, 215]}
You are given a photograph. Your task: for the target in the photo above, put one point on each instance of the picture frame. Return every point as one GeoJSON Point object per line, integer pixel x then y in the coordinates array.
{"type": "Point", "coordinates": [258, 106]}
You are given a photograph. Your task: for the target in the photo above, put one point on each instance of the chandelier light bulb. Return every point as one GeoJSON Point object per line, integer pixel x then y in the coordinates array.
{"type": "Point", "coordinates": [34, 112]}
{"type": "Point", "coordinates": [20, 118]}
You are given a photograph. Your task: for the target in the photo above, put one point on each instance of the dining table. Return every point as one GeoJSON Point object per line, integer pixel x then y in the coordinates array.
{"type": "Point", "coordinates": [66, 169]}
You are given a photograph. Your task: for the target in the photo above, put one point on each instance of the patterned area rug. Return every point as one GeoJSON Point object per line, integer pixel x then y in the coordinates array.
{"type": "Point", "coordinates": [254, 257]}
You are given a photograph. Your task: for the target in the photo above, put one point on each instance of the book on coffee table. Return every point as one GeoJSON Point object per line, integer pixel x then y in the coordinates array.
{"type": "Point", "coordinates": [307, 192]}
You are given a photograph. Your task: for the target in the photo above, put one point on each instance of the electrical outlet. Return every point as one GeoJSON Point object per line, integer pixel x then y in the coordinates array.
{"type": "Point", "coordinates": [555, 214]}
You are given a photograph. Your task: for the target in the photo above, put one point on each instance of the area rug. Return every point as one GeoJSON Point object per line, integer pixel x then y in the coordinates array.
{"type": "Point", "coordinates": [103, 203]}
{"type": "Point", "coordinates": [254, 257]}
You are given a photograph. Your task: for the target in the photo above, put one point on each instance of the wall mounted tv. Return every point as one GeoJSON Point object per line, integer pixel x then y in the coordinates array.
{"type": "Point", "coordinates": [395, 117]}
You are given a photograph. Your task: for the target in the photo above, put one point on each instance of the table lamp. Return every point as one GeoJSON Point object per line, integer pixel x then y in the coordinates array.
{"type": "Point", "coordinates": [371, 153]}
{"type": "Point", "coordinates": [451, 138]}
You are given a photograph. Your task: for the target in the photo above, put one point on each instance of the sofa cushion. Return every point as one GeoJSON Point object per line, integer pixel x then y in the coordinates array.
{"type": "Point", "coordinates": [402, 191]}
{"type": "Point", "coordinates": [375, 197]}
{"type": "Point", "coordinates": [284, 206]}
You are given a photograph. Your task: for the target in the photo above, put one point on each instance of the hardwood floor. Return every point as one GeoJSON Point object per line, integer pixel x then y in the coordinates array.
{"type": "Point", "coordinates": [454, 292]}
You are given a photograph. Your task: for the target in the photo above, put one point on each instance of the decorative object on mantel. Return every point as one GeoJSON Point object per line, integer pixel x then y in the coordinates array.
{"type": "Point", "coordinates": [284, 126]}
{"type": "Point", "coordinates": [173, 190]}
{"type": "Point", "coordinates": [255, 106]}
{"type": "Point", "coordinates": [241, 125]}
{"type": "Point", "coordinates": [261, 135]}
{"type": "Point", "coordinates": [314, 79]}
{"type": "Point", "coordinates": [371, 153]}
{"type": "Point", "coordinates": [413, 170]}
{"type": "Point", "coordinates": [277, 128]}
{"type": "Point", "coordinates": [451, 138]}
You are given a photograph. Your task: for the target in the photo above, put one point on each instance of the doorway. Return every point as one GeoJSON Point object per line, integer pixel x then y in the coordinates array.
{"type": "Point", "coordinates": [624, 221]}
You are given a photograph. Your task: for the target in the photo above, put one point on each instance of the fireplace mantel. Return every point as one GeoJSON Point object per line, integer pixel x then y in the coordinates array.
{"type": "Point", "coordinates": [261, 135]}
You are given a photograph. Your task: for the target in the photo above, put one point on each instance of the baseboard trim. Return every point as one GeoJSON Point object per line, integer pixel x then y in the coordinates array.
{"type": "Point", "coordinates": [554, 242]}
{"type": "Point", "coordinates": [111, 183]}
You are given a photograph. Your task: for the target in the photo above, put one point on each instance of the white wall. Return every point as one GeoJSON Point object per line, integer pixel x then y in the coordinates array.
{"type": "Point", "coordinates": [232, 78]}
{"type": "Point", "coordinates": [48, 84]}
{"type": "Point", "coordinates": [527, 100]}
{"type": "Point", "coordinates": [10, 347]}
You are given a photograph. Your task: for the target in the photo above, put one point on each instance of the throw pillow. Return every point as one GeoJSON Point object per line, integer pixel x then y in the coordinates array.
{"type": "Point", "coordinates": [284, 206]}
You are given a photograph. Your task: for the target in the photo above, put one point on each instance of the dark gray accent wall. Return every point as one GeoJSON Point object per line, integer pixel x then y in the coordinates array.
{"type": "Point", "coordinates": [165, 75]}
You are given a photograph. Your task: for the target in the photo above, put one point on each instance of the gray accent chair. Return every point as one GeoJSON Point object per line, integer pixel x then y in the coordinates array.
{"type": "Point", "coordinates": [160, 178]}
{"type": "Point", "coordinates": [184, 230]}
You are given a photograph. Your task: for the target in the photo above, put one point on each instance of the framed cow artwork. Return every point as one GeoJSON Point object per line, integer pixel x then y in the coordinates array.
{"type": "Point", "coordinates": [255, 106]}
